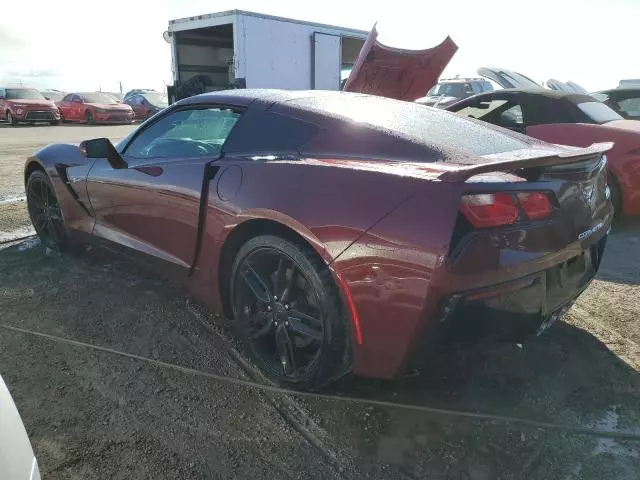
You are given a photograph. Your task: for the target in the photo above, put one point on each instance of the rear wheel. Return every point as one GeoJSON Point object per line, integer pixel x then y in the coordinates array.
{"type": "Point", "coordinates": [45, 212]}
{"type": "Point", "coordinates": [89, 117]}
{"type": "Point", "coordinates": [289, 314]}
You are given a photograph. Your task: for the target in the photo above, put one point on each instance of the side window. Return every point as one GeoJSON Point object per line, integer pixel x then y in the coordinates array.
{"type": "Point", "coordinates": [501, 112]}
{"type": "Point", "coordinates": [67, 98]}
{"type": "Point", "coordinates": [511, 118]}
{"type": "Point", "coordinates": [481, 108]}
{"type": "Point", "coordinates": [184, 133]}
{"type": "Point", "coordinates": [631, 107]}
{"type": "Point", "coordinates": [76, 98]}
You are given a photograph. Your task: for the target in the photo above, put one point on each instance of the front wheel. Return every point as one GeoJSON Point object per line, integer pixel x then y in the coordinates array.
{"type": "Point", "coordinates": [11, 120]}
{"type": "Point", "coordinates": [616, 195]}
{"type": "Point", "coordinates": [289, 314]}
{"type": "Point", "coordinates": [45, 212]}
{"type": "Point", "coordinates": [89, 117]}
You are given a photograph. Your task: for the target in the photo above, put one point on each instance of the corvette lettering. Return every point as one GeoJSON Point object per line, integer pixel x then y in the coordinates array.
{"type": "Point", "coordinates": [591, 231]}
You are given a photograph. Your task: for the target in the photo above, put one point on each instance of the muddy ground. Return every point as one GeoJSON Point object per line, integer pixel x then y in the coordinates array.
{"type": "Point", "coordinates": [93, 414]}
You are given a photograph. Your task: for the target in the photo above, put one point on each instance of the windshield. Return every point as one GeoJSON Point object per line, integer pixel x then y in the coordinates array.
{"type": "Point", "coordinates": [599, 112]}
{"type": "Point", "coordinates": [157, 99]}
{"type": "Point", "coordinates": [451, 90]}
{"type": "Point", "coordinates": [98, 98]}
{"type": "Point", "coordinates": [23, 94]}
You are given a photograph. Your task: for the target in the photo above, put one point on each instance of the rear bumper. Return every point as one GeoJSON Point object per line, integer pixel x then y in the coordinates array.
{"type": "Point", "coordinates": [516, 310]}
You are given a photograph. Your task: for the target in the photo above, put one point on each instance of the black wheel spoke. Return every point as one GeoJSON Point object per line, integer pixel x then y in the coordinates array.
{"type": "Point", "coordinates": [259, 325]}
{"type": "Point", "coordinates": [305, 325]}
{"type": "Point", "coordinates": [281, 278]}
{"type": "Point", "coordinates": [35, 201]}
{"type": "Point", "coordinates": [256, 284]}
{"type": "Point", "coordinates": [285, 350]}
{"type": "Point", "coordinates": [286, 293]}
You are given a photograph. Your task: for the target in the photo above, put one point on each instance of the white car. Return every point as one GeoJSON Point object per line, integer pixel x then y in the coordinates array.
{"type": "Point", "coordinates": [17, 461]}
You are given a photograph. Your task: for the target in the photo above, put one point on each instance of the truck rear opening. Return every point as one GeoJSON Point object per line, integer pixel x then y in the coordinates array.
{"type": "Point", "coordinates": [238, 49]}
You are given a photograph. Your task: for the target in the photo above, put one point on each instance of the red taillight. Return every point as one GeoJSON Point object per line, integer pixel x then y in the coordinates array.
{"type": "Point", "coordinates": [489, 209]}
{"type": "Point", "coordinates": [486, 210]}
{"type": "Point", "coordinates": [535, 204]}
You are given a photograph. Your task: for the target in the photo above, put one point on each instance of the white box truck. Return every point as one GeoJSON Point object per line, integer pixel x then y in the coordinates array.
{"type": "Point", "coordinates": [239, 49]}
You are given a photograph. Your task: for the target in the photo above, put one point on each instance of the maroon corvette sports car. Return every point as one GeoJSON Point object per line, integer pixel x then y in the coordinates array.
{"type": "Point", "coordinates": [338, 232]}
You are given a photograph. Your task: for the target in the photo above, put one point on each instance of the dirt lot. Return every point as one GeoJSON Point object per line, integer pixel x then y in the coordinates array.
{"type": "Point", "coordinates": [94, 414]}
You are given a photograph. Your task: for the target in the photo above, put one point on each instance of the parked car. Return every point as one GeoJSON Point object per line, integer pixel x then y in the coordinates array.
{"type": "Point", "coordinates": [436, 223]}
{"type": "Point", "coordinates": [26, 105]}
{"type": "Point", "coordinates": [53, 95]}
{"type": "Point", "coordinates": [625, 101]}
{"type": "Point", "coordinates": [446, 92]}
{"type": "Point", "coordinates": [147, 104]}
{"type": "Point", "coordinates": [135, 91]}
{"type": "Point", "coordinates": [17, 461]}
{"type": "Point", "coordinates": [94, 108]}
{"type": "Point", "coordinates": [569, 119]}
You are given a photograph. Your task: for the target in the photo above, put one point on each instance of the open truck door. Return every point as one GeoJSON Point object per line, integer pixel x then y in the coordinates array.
{"type": "Point", "coordinates": [395, 73]}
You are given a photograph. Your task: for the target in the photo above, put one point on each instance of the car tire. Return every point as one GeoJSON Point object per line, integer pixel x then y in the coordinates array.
{"type": "Point", "coordinates": [302, 339]}
{"type": "Point", "coordinates": [45, 211]}
{"type": "Point", "coordinates": [11, 120]}
{"type": "Point", "coordinates": [616, 194]}
{"type": "Point", "coordinates": [55, 122]}
{"type": "Point", "coordinates": [89, 117]}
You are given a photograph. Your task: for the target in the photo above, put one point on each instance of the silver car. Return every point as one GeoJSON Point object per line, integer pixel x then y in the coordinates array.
{"type": "Point", "coordinates": [17, 461]}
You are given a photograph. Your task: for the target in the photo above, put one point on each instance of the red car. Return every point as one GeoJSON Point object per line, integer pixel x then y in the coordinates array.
{"type": "Point", "coordinates": [569, 119]}
{"type": "Point", "coordinates": [339, 232]}
{"type": "Point", "coordinates": [26, 105]}
{"type": "Point", "coordinates": [94, 108]}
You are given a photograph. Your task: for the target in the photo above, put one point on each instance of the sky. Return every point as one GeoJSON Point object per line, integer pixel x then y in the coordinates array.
{"type": "Point", "coordinates": [77, 45]}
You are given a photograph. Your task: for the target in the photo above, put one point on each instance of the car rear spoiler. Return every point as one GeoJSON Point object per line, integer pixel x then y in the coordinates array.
{"type": "Point", "coordinates": [523, 164]}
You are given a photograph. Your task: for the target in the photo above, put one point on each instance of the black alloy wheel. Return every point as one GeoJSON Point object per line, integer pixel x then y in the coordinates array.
{"type": "Point", "coordinates": [45, 211]}
{"type": "Point", "coordinates": [287, 312]}
{"type": "Point", "coordinates": [90, 119]}
{"type": "Point", "coordinates": [10, 118]}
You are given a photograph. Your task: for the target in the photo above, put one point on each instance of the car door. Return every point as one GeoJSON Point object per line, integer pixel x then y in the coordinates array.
{"type": "Point", "coordinates": [64, 106]}
{"type": "Point", "coordinates": [77, 107]}
{"type": "Point", "coordinates": [504, 110]}
{"type": "Point", "coordinates": [152, 207]}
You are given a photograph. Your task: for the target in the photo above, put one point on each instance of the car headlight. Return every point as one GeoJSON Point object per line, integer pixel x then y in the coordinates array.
{"type": "Point", "coordinates": [101, 110]}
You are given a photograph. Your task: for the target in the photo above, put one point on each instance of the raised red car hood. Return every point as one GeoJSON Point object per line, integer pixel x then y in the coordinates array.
{"type": "Point", "coordinates": [394, 73]}
{"type": "Point", "coordinates": [29, 101]}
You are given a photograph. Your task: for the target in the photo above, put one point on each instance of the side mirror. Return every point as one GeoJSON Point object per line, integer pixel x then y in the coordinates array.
{"type": "Point", "coordinates": [102, 148]}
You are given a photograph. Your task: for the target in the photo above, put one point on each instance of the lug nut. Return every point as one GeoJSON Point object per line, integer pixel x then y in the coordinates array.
{"type": "Point", "coordinates": [286, 307]}
{"type": "Point", "coordinates": [275, 298]}
{"type": "Point", "coordinates": [268, 308]}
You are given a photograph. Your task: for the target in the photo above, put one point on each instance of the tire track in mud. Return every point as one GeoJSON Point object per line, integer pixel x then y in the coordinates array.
{"type": "Point", "coordinates": [287, 407]}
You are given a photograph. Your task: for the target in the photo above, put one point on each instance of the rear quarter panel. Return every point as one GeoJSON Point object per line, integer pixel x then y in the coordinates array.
{"type": "Point", "coordinates": [624, 165]}
{"type": "Point", "coordinates": [387, 267]}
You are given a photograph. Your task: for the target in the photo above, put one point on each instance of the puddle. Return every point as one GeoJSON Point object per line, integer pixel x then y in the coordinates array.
{"type": "Point", "coordinates": [609, 422]}
{"type": "Point", "coordinates": [12, 199]}
{"type": "Point", "coordinates": [16, 234]}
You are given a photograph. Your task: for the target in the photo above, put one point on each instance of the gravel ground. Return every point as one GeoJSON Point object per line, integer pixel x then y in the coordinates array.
{"type": "Point", "coordinates": [93, 414]}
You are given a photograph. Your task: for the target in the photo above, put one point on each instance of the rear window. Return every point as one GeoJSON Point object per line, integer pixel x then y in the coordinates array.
{"type": "Point", "coordinates": [428, 126]}
{"type": "Point", "coordinates": [599, 112]}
